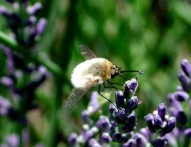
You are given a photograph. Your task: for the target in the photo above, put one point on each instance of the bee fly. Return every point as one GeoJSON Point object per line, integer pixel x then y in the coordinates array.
{"type": "Point", "coordinates": [93, 71]}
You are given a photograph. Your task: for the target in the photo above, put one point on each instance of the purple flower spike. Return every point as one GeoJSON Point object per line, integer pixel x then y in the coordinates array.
{"type": "Point", "coordinates": [105, 138]}
{"type": "Point", "coordinates": [162, 109]}
{"type": "Point", "coordinates": [187, 132]}
{"type": "Point", "coordinates": [119, 98]}
{"type": "Point", "coordinates": [186, 67]}
{"type": "Point", "coordinates": [73, 139]}
{"type": "Point", "coordinates": [41, 26]}
{"type": "Point", "coordinates": [33, 10]}
{"type": "Point", "coordinates": [181, 96]}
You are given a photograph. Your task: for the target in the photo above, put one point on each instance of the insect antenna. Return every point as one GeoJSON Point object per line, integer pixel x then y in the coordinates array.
{"type": "Point", "coordinates": [140, 72]}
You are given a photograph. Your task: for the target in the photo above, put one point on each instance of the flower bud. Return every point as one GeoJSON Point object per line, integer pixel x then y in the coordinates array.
{"type": "Point", "coordinates": [186, 67]}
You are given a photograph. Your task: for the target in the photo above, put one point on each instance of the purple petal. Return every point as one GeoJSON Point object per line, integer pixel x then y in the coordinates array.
{"type": "Point", "coordinates": [41, 26]}
{"type": "Point", "coordinates": [73, 139]}
{"type": "Point", "coordinates": [186, 67]}
{"type": "Point", "coordinates": [4, 106]}
{"type": "Point", "coordinates": [162, 109]}
{"type": "Point", "coordinates": [187, 132]}
{"type": "Point", "coordinates": [33, 10]}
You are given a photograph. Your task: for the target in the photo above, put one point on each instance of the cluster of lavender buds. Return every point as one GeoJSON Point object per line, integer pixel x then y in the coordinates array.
{"type": "Point", "coordinates": [159, 123]}
{"type": "Point", "coordinates": [22, 20]}
{"type": "Point", "coordinates": [119, 128]}
{"type": "Point", "coordinates": [180, 105]}
{"type": "Point", "coordinates": [122, 116]}
{"type": "Point", "coordinates": [94, 133]}
{"type": "Point", "coordinates": [22, 76]}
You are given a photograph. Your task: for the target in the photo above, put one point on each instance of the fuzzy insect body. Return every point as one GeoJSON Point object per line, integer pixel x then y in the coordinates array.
{"type": "Point", "coordinates": [96, 70]}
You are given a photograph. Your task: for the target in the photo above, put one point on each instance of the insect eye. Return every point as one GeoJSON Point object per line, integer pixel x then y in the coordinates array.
{"type": "Point", "coordinates": [114, 66]}
{"type": "Point", "coordinates": [112, 71]}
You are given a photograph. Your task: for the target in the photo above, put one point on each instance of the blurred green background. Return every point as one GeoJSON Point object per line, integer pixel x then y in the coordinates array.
{"type": "Point", "coordinates": [149, 35]}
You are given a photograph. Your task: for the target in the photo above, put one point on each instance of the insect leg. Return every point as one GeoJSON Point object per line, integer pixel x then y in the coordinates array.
{"type": "Point", "coordinates": [113, 85]}
{"type": "Point", "coordinates": [99, 88]}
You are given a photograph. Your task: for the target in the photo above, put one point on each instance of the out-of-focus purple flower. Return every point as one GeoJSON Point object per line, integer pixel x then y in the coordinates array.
{"type": "Point", "coordinates": [31, 21]}
{"type": "Point", "coordinates": [140, 140]}
{"type": "Point", "coordinates": [181, 96]}
{"type": "Point", "coordinates": [41, 26]}
{"type": "Point", "coordinates": [4, 106]}
{"type": "Point", "coordinates": [105, 137]}
{"type": "Point", "coordinates": [186, 67]}
{"type": "Point", "coordinates": [185, 81]}
{"type": "Point", "coordinates": [94, 143]}
{"type": "Point", "coordinates": [145, 132]}
{"type": "Point", "coordinates": [85, 116]}
{"type": "Point", "coordinates": [4, 11]}
{"type": "Point", "coordinates": [103, 123]}
{"type": "Point", "coordinates": [181, 118]}
{"type": "Point", "coordinates": [12, 140]}
{"type": "Point", "coordinates": [94, 103]}
{"type": "Point", "coordinates": [130, 143]}
{"type": "Point", "coordinates": [187, 133]}
{"type": "Point", "coordinates": [33, 10]}
{"type": "Point", "coordinates": [73, 139]}
{"type": "Point", "coordinates": [7, 81]}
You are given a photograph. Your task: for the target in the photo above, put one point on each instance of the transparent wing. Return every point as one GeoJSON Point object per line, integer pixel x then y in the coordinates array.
{"type": "Point", "coordinates": [86, 52]}
{"type": "Point", "coordinates": [76, 95]}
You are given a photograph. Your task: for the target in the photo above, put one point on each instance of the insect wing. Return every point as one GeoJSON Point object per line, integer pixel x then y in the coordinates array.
{"type": "Point", "coordinates": [86, 52]}
{"type": "Point", "coordinates": [76, 95]}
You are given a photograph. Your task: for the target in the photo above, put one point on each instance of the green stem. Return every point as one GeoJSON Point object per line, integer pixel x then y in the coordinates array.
{"type": "Point", "coordinates": [62, 57]}
{"type": "Point", "coordinates": [39, 57]}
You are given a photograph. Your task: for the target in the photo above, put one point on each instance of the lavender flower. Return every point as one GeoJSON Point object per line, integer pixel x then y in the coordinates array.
{"type": "Point", "coordinates": [180, 105]}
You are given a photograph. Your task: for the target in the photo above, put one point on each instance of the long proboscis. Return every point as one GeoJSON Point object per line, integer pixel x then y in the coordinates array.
{"type": "Point", "coordinates": [140, 72]}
